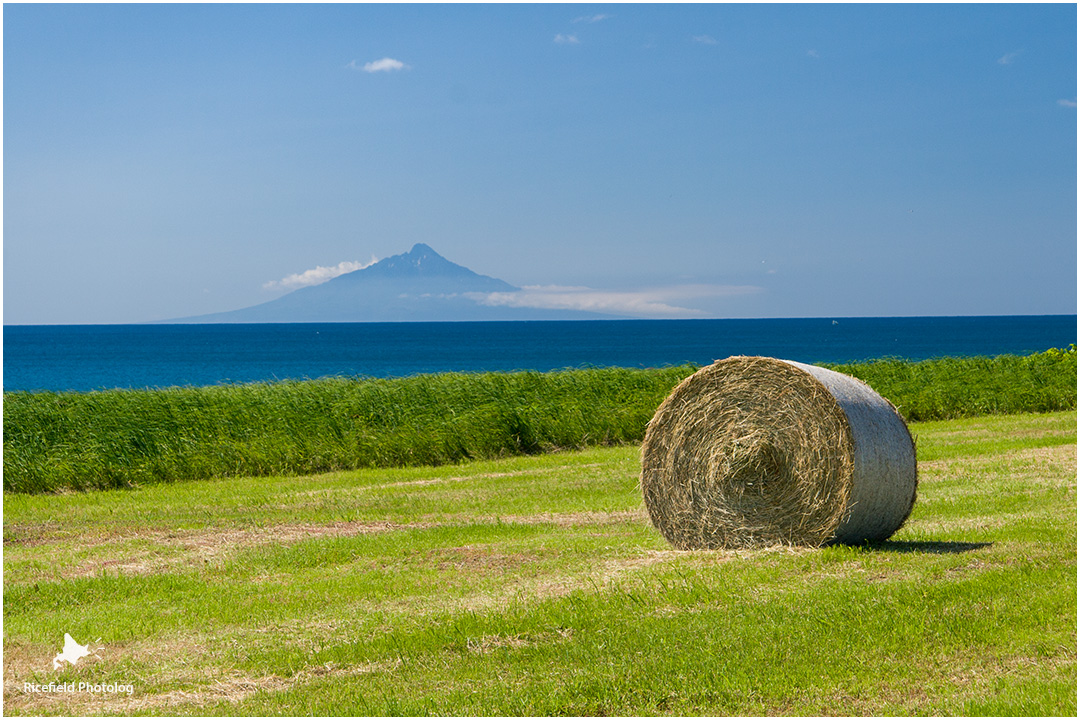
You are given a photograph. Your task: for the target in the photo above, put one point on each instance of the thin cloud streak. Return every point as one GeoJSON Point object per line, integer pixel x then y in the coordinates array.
{"type": "Point", "coordinates": [561, 39]}
{"type": "Point", "coordinates": [650, 303]}
{"type": "Point", "coordinates": [591, 18]}
{"type": "Point", "coordinates": [386, 64]}
{"type": "Point", "coordinates": [317, 275]}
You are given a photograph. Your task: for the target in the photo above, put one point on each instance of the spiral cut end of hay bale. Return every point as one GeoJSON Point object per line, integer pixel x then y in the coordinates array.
{"type": "Point", "coordinates": [754, 451]}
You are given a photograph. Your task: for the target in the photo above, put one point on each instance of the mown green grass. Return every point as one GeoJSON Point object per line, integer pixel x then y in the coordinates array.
{"type": "Point", "coordinates": [62, 441]}
{"type": "Point", "coordinates": [536, 586]}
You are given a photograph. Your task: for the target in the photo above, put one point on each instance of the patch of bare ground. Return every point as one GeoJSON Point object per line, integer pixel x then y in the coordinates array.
{"type": "Point", "coordinates": [963, 527]}
{"type": "Point", "coordinates": [541, 585]}
{"type": "Point", "coordinates": [617, 569]}
{"type": "Point", "coordinates": [854, 570]}
{"type": "Point", "coordinates": [438, 480]}
{"type": "Point", "coordinates": [586, 517]}
{"type": "Point", "coordinates": [490, 643]}
{"type": "Point", "coordinates": [144, 552]}
{"type": "Point", "coordinates": [481, 558]}
{"type": "Point", "coordinates": [130, 551]}
{"type": "Point", "coordinates": [191, 689]}
{"type": "Point", "coordinates": [1049, 466]}
{"type": "Point", "coordinates": [188, 682]}
{"type": "Point", "coordinates": [483, 476]}
{"type": "Point", "coordinates": [174, 662]}
{"type": "Point", "coordinates": [196, 693]}
{"type": "Point", "coordinates": [1060, 458]}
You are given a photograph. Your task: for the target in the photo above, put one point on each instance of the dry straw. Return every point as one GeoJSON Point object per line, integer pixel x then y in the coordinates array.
{"type": "Point", "coordinates": [754, 451]}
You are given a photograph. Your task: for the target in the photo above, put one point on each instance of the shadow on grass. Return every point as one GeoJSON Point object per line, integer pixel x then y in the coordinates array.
{"type": "Point", "coordinates": [933, 547]}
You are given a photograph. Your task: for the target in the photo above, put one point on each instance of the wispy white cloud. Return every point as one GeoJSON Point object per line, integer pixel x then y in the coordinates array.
{"type": "Point", "coordinates": [384, 65]}
{"type": "Point", "coordinates": [317, 275]}
{"type": "Point", "coordinates": [591, 18]}
{"type": "Point", "coordinates": [651, 302]}
{"type": "Point", "coordinates": [567, 39]}
{"type": "Point", "coordinates": [812, 53]}
{"type": "Point", "coordinates": [1067, 103]}
{"type": "Point", "coordinates": [705, 40]}
{"type": "Point", "coordinates": [1008, 58]}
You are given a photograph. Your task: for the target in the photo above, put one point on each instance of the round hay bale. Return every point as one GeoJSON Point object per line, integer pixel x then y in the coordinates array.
{"type": "Point", "coordinates": [755, 451]}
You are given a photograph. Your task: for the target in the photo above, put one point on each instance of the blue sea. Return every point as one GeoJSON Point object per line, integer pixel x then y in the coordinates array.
{"type": "Point", "coordinates": [94, 357]}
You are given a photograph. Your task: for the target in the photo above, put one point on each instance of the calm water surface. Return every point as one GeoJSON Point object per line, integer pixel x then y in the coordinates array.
{"type": "Point", "coordinates": [91, 357]}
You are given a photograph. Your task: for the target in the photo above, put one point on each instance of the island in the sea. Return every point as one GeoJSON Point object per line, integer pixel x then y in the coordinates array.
{"type": "Point", "coordinates": [420, 286]}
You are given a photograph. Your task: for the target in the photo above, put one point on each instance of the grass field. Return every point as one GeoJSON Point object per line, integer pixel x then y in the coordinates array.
{"type": "Point", "coordinates": [535, 585]}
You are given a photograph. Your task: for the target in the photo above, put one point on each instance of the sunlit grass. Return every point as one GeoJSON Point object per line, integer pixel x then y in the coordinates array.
{"type": "Point", "coordinates": [131, 437]}
{"type": "Point", "coordinates": [536, 586]}
{"type": "Point", "coordinates": [968, 386]}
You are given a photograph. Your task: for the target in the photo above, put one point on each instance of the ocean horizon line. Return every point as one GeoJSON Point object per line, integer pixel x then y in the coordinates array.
{"type": "Point", "coordinates": [152, 323]}
{"type": "Point", "coordinates": [90, 357]}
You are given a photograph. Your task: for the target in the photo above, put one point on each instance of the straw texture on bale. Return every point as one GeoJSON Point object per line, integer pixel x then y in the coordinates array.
{"type": "Point", "coordinates": [755, 451]}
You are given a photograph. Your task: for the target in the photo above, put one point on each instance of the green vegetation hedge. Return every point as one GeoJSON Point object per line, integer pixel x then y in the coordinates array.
{"type": "Point", "coordinates": [947, 388]}
{"type": "Point", "coordinates": [124, 438]}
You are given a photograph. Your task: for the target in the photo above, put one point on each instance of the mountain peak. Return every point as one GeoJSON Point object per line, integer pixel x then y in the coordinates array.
{"type": "Point", "coordinates": [418, 285]}
{"type": "Point", "coordinates": [421, 260]}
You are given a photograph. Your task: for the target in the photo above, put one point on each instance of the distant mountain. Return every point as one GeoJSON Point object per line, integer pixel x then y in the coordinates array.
{"type": "Point", "coordinates": [420, 285]}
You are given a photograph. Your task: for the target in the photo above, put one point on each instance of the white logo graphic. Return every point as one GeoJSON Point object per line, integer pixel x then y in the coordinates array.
{"type": "Point", "coordinates": [72, 652]}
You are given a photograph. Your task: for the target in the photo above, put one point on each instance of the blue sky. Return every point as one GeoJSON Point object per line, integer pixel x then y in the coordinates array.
{"type": "Point", "coordinates": [670, 161]}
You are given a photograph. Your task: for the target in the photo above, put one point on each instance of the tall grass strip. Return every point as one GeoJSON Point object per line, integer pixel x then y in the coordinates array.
{"type": "Point", "coordinates": [112, 439]}
{"type": "Point", "coordinates": [127, 438]}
